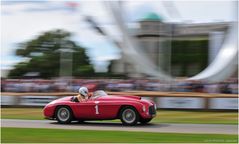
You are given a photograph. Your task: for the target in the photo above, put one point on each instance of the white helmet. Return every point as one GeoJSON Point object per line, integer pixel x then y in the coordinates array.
{"type": "Point", "coordinates": [84, 91]}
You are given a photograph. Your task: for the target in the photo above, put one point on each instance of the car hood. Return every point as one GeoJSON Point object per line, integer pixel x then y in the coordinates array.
{"type": "Point", "coordinates": [125, 98]}
{"type": "Point", "coordinates": [120, 98]}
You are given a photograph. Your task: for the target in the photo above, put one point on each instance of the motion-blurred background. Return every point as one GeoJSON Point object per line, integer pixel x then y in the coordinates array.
{"type": "Point", "coordinates": [59, 46]}
{"type": "Point", "coordinates": [183, 55]}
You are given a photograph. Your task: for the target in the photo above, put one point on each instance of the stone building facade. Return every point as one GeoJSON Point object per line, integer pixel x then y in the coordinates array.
{"type": "Point", "coordinates": [166, 43]}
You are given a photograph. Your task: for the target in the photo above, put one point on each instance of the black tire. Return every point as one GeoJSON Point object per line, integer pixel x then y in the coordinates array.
{"type": "Point", "coordinates": [145, 121]}
{"type": "Point", "coordinates": [64, 115]}
{"type": "Point", "coordinates": [133, 116]}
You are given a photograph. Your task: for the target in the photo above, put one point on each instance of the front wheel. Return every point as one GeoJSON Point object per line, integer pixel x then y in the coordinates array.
{"type": "Point", "coordinates": [64, 115]}
{"type": "Point", "coordinates": [145, 121]}
{"type": "Point", "coordinates": [129, 116]}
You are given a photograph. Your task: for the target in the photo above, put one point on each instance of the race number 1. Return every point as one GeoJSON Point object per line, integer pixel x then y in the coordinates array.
{"type": "Point", "coordinates": [97, 107]}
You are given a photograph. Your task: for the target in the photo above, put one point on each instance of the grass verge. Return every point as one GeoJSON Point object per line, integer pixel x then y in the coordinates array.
{"type": "Point", "coordinates": [31, 135]}
{"type": "Point", "coordinates": [163, 116]}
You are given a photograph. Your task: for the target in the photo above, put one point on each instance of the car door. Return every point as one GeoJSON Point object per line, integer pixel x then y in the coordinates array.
{"type": "Point", "coordinates": [93, 109]}
{"type": "Point", "coordinates": [85, 110]}
{"type": "Point", "coordinates": [105, 109]}
{"type": "Point", "coordinates": [96, 109]}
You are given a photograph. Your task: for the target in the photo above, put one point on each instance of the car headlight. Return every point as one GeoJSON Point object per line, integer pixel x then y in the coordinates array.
{"type": "Point", "coordinates": [155, 106]}
{"type": "Point", "coordinates": [144, 108]}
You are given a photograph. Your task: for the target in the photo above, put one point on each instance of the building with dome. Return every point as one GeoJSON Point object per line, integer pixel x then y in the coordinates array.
{"type": "Point", "coordinates": [179, 49]}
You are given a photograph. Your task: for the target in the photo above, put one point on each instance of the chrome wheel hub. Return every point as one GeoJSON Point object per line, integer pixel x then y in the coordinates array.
{"type": "Point", "coordinates": [63, 114]}
{"type": "Point", "coordinates": [129, 116]}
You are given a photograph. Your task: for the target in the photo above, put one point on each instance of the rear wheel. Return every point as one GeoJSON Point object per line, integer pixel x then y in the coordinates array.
{"type": "Point", "coordinates": [145, 121]}
{"type": "Point", "coordinates": [129, 116]}
{"type": "Point", "coordinates": [64, 115]}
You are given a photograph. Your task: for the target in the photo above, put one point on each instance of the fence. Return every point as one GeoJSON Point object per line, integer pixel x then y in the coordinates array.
{"type": "Point", "coordinates": [163, 100]}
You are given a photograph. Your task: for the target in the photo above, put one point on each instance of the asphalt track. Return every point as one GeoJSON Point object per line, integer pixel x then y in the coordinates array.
{"type": "Point", "coordinates": [151, 127]}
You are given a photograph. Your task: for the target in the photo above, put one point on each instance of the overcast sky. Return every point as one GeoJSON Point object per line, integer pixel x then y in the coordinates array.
{"type": "Point", "coordinates": [22, 21]}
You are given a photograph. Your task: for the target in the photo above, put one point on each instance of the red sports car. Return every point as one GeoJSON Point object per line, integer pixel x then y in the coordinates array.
{"type": "Point", "coordinates": [129, 109]}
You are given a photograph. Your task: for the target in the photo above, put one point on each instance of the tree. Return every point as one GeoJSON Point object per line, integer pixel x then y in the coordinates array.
{"type": "Point", "coordinates": [44, 52]}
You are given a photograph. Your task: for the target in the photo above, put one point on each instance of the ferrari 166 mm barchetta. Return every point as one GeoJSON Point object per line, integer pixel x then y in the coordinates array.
{"type": "Point", "coordinates": [101, 106]}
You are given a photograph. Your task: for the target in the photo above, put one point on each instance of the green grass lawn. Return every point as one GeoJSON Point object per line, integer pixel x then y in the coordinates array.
{"type": "Point", "coordinates": [197, 117]}
{"type": "Point", "coordinates": [163, 116]}
{"type": "Point", "coordinates": [31, 135]}
{"type": "Point", "coordinates": [22, 113]}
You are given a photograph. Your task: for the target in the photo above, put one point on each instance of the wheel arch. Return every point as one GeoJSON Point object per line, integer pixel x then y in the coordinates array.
{"type": "Point", "coordinates": [136, 106]}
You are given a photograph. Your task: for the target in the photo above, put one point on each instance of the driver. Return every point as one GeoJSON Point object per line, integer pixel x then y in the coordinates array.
{"type": "Point", "coordinates": [83, 94]}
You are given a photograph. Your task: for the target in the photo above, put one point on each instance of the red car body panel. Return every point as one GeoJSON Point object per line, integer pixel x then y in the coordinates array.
{"type": "Point", "coordinates": [104, 107]}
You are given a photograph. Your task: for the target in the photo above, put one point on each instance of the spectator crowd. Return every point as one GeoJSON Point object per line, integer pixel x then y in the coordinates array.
{"type": "Point", "coordinates": [229, 86]}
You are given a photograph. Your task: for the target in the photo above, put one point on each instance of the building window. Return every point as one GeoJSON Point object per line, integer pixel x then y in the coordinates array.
{"type": "Point", "coordinates": [191, 55]}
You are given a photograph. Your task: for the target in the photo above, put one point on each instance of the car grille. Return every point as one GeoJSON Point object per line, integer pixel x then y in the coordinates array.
{"type": "Point", "coordinates": [152, 110]}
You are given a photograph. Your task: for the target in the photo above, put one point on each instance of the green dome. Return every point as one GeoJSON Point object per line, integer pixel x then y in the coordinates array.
{"type": "Point", "coordinates": [152, 17]}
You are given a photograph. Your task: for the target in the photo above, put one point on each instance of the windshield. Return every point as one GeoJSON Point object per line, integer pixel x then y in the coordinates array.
{"type": "Point", "coordinates": [99, 93]}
